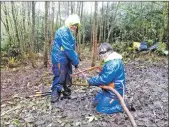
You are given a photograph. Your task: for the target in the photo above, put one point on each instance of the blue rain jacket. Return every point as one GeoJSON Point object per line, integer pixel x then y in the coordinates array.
{"type": "Point", "coordinates": [112, 72]}
{"type": "Point", "coordinates": [64, 47]}
{"type": "Point", "coordinates": [63, 55]}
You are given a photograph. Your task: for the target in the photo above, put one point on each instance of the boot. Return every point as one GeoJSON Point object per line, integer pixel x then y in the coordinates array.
{"type": "Point", "coordinates": [66, 93]}
{"type": "Point", "coordinates": [55, 95]}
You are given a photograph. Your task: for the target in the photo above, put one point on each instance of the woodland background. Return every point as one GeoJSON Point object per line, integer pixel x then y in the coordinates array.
{"type": "Point", "coordinates": [28, 28]}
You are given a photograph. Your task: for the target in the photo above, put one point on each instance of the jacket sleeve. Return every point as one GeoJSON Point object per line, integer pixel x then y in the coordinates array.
{"type": "Point", "coordinates": [105, 77]}
{"type": "Point", "coordinates": [68, 45]}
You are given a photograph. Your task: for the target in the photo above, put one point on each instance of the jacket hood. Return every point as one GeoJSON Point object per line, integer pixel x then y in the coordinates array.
{"type": "Point", "coordinates": [113, 56]}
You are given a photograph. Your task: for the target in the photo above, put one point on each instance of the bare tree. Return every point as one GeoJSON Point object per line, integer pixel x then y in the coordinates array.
{"type": "Point", "coordinates": [33, 26]}
{"type": "Point", "coordinates": [101, 25]}
{"type": "Point", "coordinates": [95, 36]}
{"type": "Point", "coordinates": [52, 24]}
{"type": "Point", "coordinates": [72, 7]}
{"type": "Point", "coordinates": [46, 36]}
{"type": "Point", "coordinates": [168, 28]}
{"type": "Point", "coordinates": [59, 13]}
{"type": "Point", "coordinates": [6, 23]}
{"type": "Point", "coordinates": [91, 34]}
{"type": "Point", "coordinates": [15, 23]}
{"type": "Point", "coordinates": [113, 21]}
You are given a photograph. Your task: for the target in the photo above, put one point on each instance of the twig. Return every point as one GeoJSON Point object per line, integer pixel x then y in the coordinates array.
{"type": "Point", "coordinates": [13, 109]}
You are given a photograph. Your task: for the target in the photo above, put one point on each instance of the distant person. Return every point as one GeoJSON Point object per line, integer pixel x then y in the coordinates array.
{"type": "Point", "coordinates": [63, 56]}
{"type": "Point", "coordinates": [112, 72]}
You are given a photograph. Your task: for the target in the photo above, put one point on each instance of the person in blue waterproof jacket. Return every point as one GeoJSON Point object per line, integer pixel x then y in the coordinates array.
{"type": "Point", "coordinates": [63, 56]}
{"type": "Point", "coordinates": [112, 72]}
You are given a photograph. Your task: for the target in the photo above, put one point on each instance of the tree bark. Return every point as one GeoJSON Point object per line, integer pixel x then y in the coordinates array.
{"type": "Point", "coordinates": [101, 26]}
{"type": "Point", "coordinates": [46, 36]}
{"type": "Point", "coordinates": [52, 25]}
{"type": "Point", "coordinates": [95, 36]}
{"type": "Point", "coordinates": [71, 7]}
{"type": "Point", "coordinates": [168, 28]}
{"type": "Point", "coordinates": [33, 26]}
{"type": "Point", "coordinates": [113, 22]}
{"type": "Point", "coordinates": [6, 24]}
{"type": "Point", "coordinates": [15, 24]}
{"type": "Point", "coordinates": [59, 14]}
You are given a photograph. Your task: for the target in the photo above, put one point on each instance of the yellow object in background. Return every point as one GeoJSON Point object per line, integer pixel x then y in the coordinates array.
{"type": "Point", "coordinates": [136, 45]}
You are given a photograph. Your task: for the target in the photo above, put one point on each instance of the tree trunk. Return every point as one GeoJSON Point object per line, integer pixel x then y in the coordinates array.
{"type": "Point", "coordinates": [52, 25]}
{"type": "Point", "coordinates": [33, 26]}
{"type": "Point", "coordinates": [23, 26]}
{"type": "Point", "coordinates": [105, 22]}
{"type": "Point", "coordinates": [101, 26]}
{"type": "Point", "coordinates": [113, 22]}
{"type": "Point", "coordinates": [95, 37]}
{"type": "Point", "coordinates": [168, 28]}
{"type": "Point", "coordinates": [59, 15]}
{"type": "Point", "coordinates": [71, 7]}
{"type": "Point", "coordinates": [46, 36]}
{"type": "Point", "coordinates": [15, 24]}
{"type": "Point", "coordinates": [6, 24]}
{"type": "Point", "coordinates": [91, 34]}
{"type": "Point", "coordinates": [79, 31]}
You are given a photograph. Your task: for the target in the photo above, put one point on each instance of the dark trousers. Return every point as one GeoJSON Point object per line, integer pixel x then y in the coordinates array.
{"type": "Point", "coordinates": [62, 77]}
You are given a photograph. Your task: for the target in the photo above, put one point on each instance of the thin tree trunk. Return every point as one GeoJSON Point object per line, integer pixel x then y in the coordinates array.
{"type": "Point", "coordinates": [52, 25]}
{"type": "Point", "coordinates": [91, 35]}
{"type": "Point", "coordinates": [71, 7]}
{"type": "Point", "coordinates": [23, 25]}
{"type": "Point", "coordinates": [46, 36]}
{"type": "Point", "coordinates": [168, 28]}
{"type": "Point", "coordinates": [112, 26]}
{"type": "Point", "coordinates": [33, 26]}
{"type": "Point", "coordinates": [56, 25]}
{"type": "Point", "coordinates": [101, 26]}
{"type": "Point", "coordinates": [79, 32]}
{"type": "Point", "coordinates": [15, 24]}
{"type": "Point", "coordinates": [95, 37]}
{"type": "Point", "coordinates": [59, 15]}
{"type": "Point", "coordinates": [6, 25]}
{"type": "Point", "coordinates": [105, 22]}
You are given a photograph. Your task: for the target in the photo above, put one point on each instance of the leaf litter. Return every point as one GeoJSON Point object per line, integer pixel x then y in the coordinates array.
{"type": "Point", "coordinates": [147, 94]}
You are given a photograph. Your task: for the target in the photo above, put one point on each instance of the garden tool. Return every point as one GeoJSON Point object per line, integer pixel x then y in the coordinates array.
{"type": "Point", "coordinates": [87, 70]}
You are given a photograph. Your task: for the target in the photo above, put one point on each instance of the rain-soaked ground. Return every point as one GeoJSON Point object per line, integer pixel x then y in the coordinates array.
{"type": "Point", "coordinates": [147, 97]}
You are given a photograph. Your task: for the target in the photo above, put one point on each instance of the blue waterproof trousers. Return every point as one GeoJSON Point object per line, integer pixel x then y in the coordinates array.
{"type": "Point", "coordinates": [107, 104]}
{"type": "Point", "coordinates": [62, 77]}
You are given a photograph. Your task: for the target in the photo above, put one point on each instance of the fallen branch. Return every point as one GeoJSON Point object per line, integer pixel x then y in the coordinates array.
{"type": "Point", "coordinates": [9, 111]}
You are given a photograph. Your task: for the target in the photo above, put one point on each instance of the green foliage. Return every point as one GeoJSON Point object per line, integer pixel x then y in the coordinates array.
{"type": "Point", "coordinates": [16, 122]}
{"type": "Point", "coordinates": [161, 48]}
{"type": "Point", "coordinates": [150, 42]}
{"type": "Point", "coordinates": [12, 62]}
{"type": "Point", "coordinates": [122, 47]}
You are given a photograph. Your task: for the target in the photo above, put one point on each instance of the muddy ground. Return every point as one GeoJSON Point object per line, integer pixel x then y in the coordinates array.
{"type": "Point", "coordinates": [147, 96]}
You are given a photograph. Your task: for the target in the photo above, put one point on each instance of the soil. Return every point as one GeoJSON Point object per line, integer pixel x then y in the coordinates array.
{"type": "Point", "coordinates": [146, 97]}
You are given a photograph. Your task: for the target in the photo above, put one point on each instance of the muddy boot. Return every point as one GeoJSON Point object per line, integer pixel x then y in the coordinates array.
{"type": "Point", "coordinates": [55, 95]}
{"type": "Point", "coordinates": [66, 93]}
